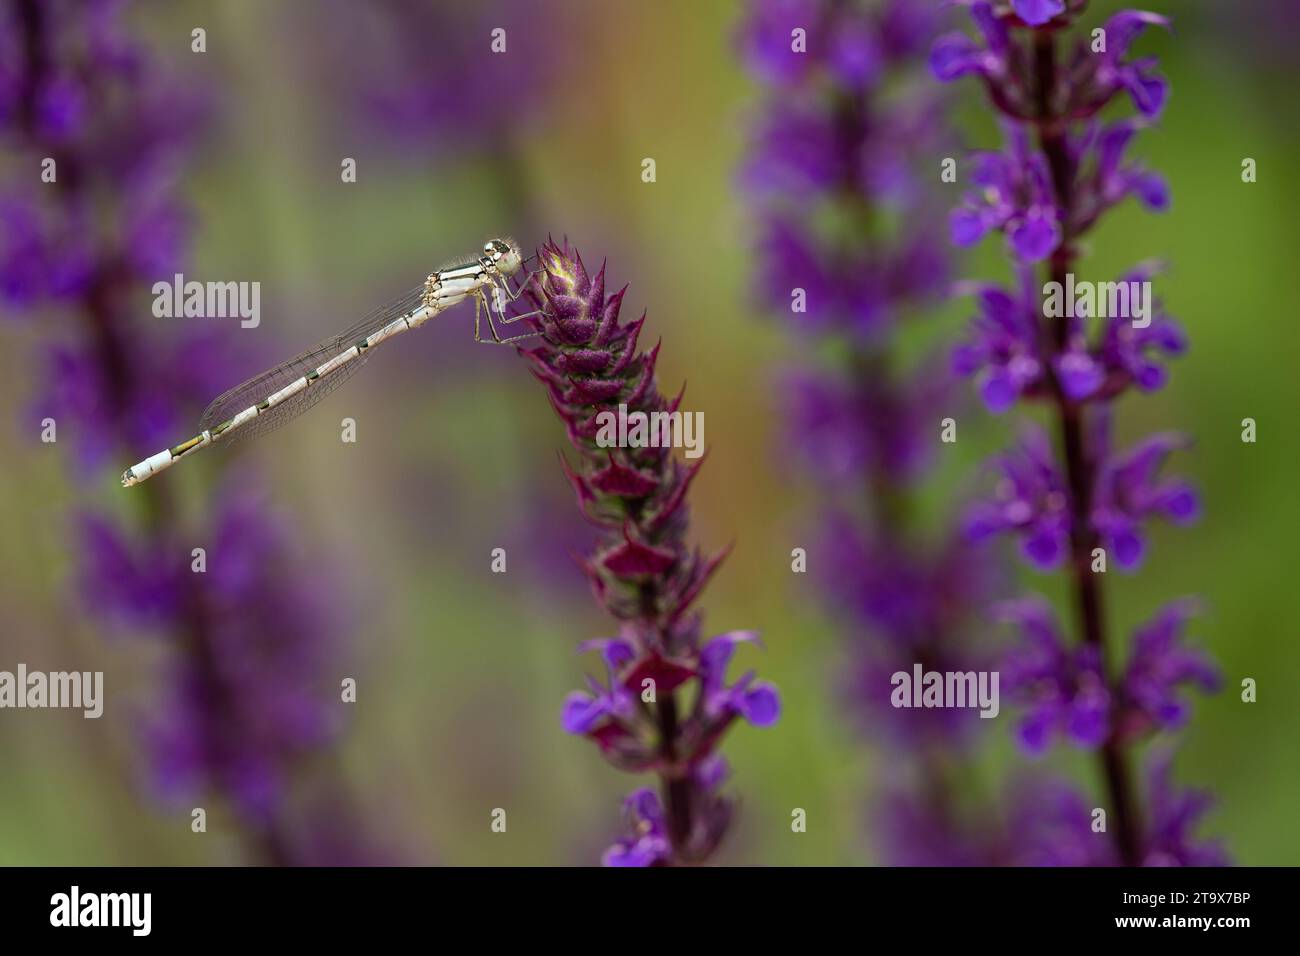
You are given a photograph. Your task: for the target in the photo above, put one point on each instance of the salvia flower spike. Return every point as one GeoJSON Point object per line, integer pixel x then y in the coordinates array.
{"type": "Point", "coordinates": [664, 699]}
{"type": "Point", "coordinates": [1075, 504]}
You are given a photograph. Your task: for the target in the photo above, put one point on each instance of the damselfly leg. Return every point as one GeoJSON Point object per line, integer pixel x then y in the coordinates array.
{"type": "Point", "coordinates": [501, 290]}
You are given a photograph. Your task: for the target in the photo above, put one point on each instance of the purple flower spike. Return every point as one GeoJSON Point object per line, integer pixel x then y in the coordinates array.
{"type": "Point", "coordinates": [1072, 502]}
{"type": "Point", "coordinates": [845, 139]}
{"type": "Point", "coordinates": [249, 652]}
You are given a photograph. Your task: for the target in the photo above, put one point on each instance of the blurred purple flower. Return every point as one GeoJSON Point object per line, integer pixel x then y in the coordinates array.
{"type": "Point", "coordinates": [122, 389]}
{"type": "Point", "coordinates": [256, 688]}
{"type": "Point", "coordinates": [1174, 814]}
{"type": "Point", "coordinates": [249, 686]}
{"type": "Point", "coordinates": [1061, 690]}
{"type": "Point", "coordinates": [1049, 823]}
{"type": "Point", "coordinates": [852, 425]}
{"type": "Point", "coordinates": [914, 829]}
{"type": "Point", "coordinates": [132, 583]}
{"type": "Point", "coordinates": [850, 246]}
{"type": "Point", "coordinates": [1031, 500]}
{"type": "Point", "coordinates": [1158, 668]}
{"type": "Point", "coordinates": [469, 93]}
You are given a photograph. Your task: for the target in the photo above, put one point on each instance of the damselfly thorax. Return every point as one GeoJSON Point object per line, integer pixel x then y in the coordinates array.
{"type": "Point", "coordinates": [267, 401]}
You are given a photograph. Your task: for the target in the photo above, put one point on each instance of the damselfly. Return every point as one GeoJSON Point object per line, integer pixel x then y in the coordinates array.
{"type": "Point", "coordinates": [267, 401]}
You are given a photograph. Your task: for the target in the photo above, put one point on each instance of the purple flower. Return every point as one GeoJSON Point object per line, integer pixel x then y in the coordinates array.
{"type": "Point", "coordinates": [1110, 73]}
{"type": "Point", "coordinates": [1174, 815]}
{"type": "Point", "coordinates": [1061, 690]}
{"type": "Point", "coordinates": [1014, 196]}
{"type": "Point", "coordinates": [42, 255]}
{"type": "Point", "coordinates": [1106, 178]}
{"type": "Point", "coordinates": [649, 841]}
{"type": "Point", "coordinates": [1002, 351]}
{"type": "Point", "coordinates": [152, 388]}
{"type": "Point", "coordinates": [133, 585]}
{"type": "Point", "coordinates": [1130, 490]}
{"type": "Point", "coordinates": [905, 592]}
{"type": "Point", "coordinates": [1031, 500]}
{"type": "Point", "coordinates": [1049, 823]}
{"type": "Point", "coordinates": [1130, 354]}
{"type": "Point", "coordinates": [1037, 12]}
{"type": "Point", "coordinates": [955, 55]}
{"type": "Point", "coordinates": [796, 153]}
{"type": "Point", "coordinates": [756, 701]}
{"type": "Point", "coordinates": [1006, 62]}
{"type": "Point", "coordinates": [1158, 668]}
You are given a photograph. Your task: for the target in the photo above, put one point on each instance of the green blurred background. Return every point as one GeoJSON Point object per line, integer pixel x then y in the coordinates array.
{"type": "Point", "coordinates": [461, 672]}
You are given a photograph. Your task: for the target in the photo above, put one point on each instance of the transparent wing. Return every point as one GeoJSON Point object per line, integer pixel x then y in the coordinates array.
{"type": "Point", "coordinates": [249, 393]}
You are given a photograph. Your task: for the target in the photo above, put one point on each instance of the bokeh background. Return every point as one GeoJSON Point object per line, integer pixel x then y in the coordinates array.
{"type": "Point", "coordinates": [461, 671]}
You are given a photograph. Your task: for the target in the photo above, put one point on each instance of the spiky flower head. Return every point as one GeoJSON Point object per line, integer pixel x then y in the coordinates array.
{"type": "Point", "coordinates": [642, 572]}
{"type": "Point", "coordinates": [590, 362]}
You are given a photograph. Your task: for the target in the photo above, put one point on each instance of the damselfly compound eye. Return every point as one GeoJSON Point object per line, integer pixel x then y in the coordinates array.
{"type": "Point", "coordinates": [505, 255]}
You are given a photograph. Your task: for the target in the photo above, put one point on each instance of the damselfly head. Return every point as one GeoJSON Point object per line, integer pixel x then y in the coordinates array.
{"type": "Point", "coordinates": [505, 255]}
